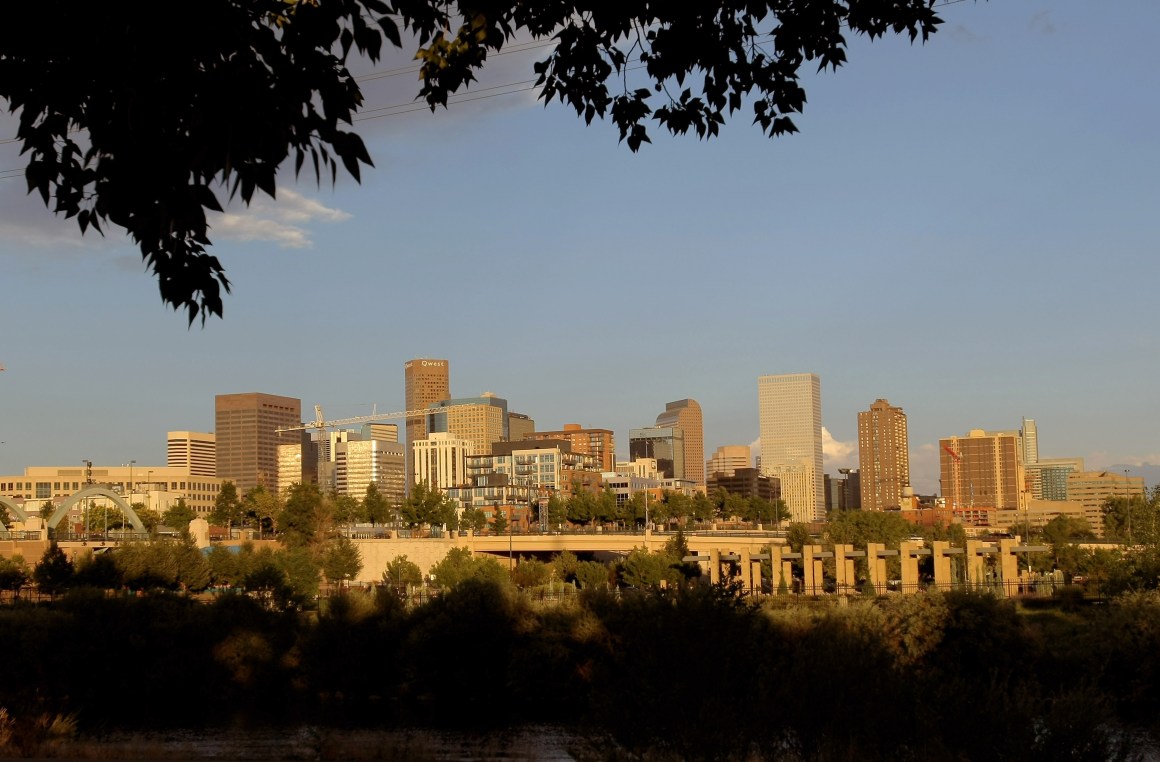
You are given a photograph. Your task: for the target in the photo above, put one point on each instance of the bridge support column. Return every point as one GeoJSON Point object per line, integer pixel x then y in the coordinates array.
{"type": "Point", "coordinates": [844, 570]}
{"type": "Point", "coordinates": [942, 564]}
{"type": "Point", "coordinates": [813, 575]}
{"type": "Point", "coordinates": [876, 566]}
{"type": "Point", "coordinates": [715, 566]}
{"type": "Point", "coordinates": [910, 581]}
{"type": "Point", "coordinates": [1009, 566]}
{"type": "Point", "coordinates": [747, 571]}
{"type": "Point", "coordinates": [780, 570]}
{"type": "Point", "coordinates": [976, 568]}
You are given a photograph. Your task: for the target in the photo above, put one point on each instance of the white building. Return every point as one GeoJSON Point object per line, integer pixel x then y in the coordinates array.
{"type": "Point", "coordinates": [440, 460]}
{"type": "Point", "coordinates": [790, 421]}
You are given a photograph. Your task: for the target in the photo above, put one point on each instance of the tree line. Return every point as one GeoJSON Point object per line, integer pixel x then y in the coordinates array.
{"type": "Point", "coordinates": [708, 674]}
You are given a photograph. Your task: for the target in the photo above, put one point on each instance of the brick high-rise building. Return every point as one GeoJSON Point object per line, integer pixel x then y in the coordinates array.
{"type": "Point", "coordinates": [598, 442]}
{"type": "Point", "coordinates": [425, 381]}
{"type": "Point", "coordinates": [983, 470]}
{"type": "Point", "coordinates": [790, 425]}
{"type": "Point", "coordinates": [686, 416]}
{"type": "Point", "coordinates": [247, 441]}
{"type": "Point", "coordinates": [883, 456]}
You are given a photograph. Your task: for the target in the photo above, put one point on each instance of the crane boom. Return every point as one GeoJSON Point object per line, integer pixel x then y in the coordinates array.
{"type": "Point", "coordinates": [320, 423]}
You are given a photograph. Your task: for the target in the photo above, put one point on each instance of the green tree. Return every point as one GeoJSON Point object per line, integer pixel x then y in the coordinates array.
{"type": "Point", "coordinates": [341, 560]}
{"type": "Point", "coordinates": [859, 527]}
{"type": "Point", "coordinates": [346, 509]}
{"type": "Point", "coordinates": [428, 507]}
{"type": "Point", "coordinates": [564, 566]}
{"type": "Point", "coordinates": [401, 572]}
{"type": "Point", "coordinates": [302, 571]}
{"type": "Point", "coordinates": [703, 508]}
{"type": "Point", "coordinates": [178, 515]}
{"type": "Point", "coordinates": [13, 573]}
{"type": "Point", "coordinates": [227, 508]}
{"type": "Point", "coordinates": [798, 535]}
{"type": "Point", "coordinates": [593, 575]}
{"type": "Point", "coordinates": [148, 518]}
{"type": "Point", "coordinates": [581, 506]}
{"type": "Point", "coordinates": [499, 522]}
{"type": "Point", "coordinates": [259, 508]}
{"type": "Point", "coordinates": [557, 509]}
{"type": "Point", "coordinates": [274, 79]}
{"type": "Point", "coordinates": [306, 517]}
{"type": "Point", "coordinates": [643, 569]}
{"type": "Point", "coordinates": [375, 507]}
{"type": "Point", "coordinates": [54, 572]}
{"type": "Point", "coordinates": [531, 572]}
{"type": "Point", "coordinates": [459, 565]}
{"type": "Point", "coordinates": [473, 518]}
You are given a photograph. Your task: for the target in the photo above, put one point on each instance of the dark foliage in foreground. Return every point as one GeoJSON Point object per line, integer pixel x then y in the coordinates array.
{"type": "Point", "coordinates": [694, 673]}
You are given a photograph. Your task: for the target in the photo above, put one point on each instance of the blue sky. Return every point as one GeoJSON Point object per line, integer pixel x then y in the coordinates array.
{"type": "Point", "coordinates": [966, 228]}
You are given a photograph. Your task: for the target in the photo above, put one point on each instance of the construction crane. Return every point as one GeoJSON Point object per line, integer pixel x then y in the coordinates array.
{"type": "Point", "coordinates": [321, 424]}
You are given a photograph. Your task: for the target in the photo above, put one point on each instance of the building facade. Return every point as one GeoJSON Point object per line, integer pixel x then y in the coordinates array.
{"type": "Point", "coordinates": [156, 487]}
{"type": "Point", "coordinates": [790, 424]}
{"type": "Point", "coordinates": [425, 381]}
{"type": "Point", "coordinates": [1092, 489]}
{"type": "Point", "coordinates": [363, 462]}
{"type": "Point", "coordinates": [982, 470]}
{"type": "Point", "coordinates": [746, 482]}
{"type": "Point", "coordinates": [482, 420]}
{"type": "Point", "coordinates": [726, 459]}
{"type": "Point", "coordinates": [247, 438]}
{"type": "Point", "coordinates": [600, 443]}
{"type": "Point", "coordinates": [440, 460]}
{"type": "Point", "coordinates": [686, 416]}
{"type": "Point", "coordinates": [520, 426]}
{"type": "Point", "coordinates": [883, 456]}
{"type": "Point", "coordinates": [194, 451]}
{"type": "Point", "coordinates": [665, 445]}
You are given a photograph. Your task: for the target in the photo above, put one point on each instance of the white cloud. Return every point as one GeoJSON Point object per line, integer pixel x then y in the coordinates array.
{"type": "Point", "coordinates": [283, 221]}
{"type": "Point", "coordinates": [837, 454]}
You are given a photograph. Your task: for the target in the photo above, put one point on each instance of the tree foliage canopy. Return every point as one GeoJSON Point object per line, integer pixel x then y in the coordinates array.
{"type": "Point", "coordinates": [129, 123]}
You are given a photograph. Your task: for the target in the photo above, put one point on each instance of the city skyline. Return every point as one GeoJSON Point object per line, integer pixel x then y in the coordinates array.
{"type": "Point", "coordinates": [991, 196]}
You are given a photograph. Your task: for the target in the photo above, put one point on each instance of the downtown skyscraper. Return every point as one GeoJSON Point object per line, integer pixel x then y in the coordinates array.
{"type": "Point", "coordinates": [425, 381]}
{"type": "Point", "coordinates": [790, 424]}
{"type": "Point", "coordinates": [883, 456]}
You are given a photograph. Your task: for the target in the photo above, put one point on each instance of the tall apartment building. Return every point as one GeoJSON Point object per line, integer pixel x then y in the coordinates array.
{"type": "Point", "coordinates": [599, 443]}
{"type": "Point", "coordinates": [247, 441]}
{"type": "Point", "coordinates": [982, 470]}
{"type": "Point", "coordinates": [424, 381]}
{"type": "Point", "coordinates": [482, 420]}
{"type": "Point", "coordinates": [665, 445]}
{"type": "Point", "coordinates": [686, 416]}
{"type": "Point", "coordinates": [883, 456]}
{"type": "Point", "coordinates": [194, 451]}
{"type": "Point", "coordinates": [1029, 433]}
{"type": "Point", "coordinates": [790, 425]}
{"type": "Point", "coordinates": [726, 459]}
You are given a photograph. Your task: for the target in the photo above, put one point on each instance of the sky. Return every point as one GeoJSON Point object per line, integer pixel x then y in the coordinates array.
{"type": "Point", "coordinates": [967, 228]}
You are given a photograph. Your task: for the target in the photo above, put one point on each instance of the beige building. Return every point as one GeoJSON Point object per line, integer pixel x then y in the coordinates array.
{"type": "Point", "coordinates": [360, 463]}
{"type": "Point", "coordinates": [157, 487]}
{"type": "Point", "coordinates": [520, 426]}
{"type": "Point", "coordinates": [790, 424]}
{"type": "Point", "coordinates": [440, 460]}
{"type": "Point", "coordinates": [1038, 512]}
{"type": "Point", "coordinates": [1093, 489]}
{"type": "Point", "coordinates": [686, 416]}
{"type": "Point", "coordinates": [481, 420]}
{"type": "Point", "coordinates": [642, 468]}
{"type": "Point", "coordinates": [726, 459]}
{"type": "Point", "coordinates": [599, 443]}
{"type": "Point", "coordinates": [194, 451]}
{"type": "Point", "coordinates": [981, 470]}
{"type": "Point", "coordinates": [883, 456]}
{"type": "Point", "coordinates": [1046, 478]}
{"type": "Point", "coordinates": [424, 381]}
{"type": "Point", "coordinates": [247, 438]}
